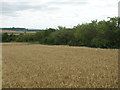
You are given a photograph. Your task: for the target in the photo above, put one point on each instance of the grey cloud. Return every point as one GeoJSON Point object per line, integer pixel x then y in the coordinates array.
{"type": "Point", "coordinates": [68, 2]}
{"type": "Point", "coordinates": [11, 8]}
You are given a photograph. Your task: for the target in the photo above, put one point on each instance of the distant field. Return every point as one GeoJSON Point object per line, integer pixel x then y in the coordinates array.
{"type": "Point", "coordinates": [43, 66]}
{"type": "Point", "coordinates": [16, 32]}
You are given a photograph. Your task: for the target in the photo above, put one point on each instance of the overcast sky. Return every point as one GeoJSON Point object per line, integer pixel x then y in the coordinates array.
{"type": "Point", "coordinates": [52, 13]}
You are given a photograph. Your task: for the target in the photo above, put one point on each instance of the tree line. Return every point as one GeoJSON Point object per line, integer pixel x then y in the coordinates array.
{"type": "Point", "coordinates": [15, 29]}
{"type": "Point", "coordinates": [99, 34]}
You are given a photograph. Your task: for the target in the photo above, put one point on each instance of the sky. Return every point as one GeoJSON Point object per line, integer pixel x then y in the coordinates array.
{"type": "Point", "coordinates": [44, 14]}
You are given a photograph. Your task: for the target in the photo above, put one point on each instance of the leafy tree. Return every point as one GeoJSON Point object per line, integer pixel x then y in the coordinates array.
{"type": "Point", "coordinates": [5, 37]}
{"type": "Point", "coordinates": [12, 37]}
{"type": "Point", "coordinates": [86, 32]}
{"type": "Point", "coordinates": [61, 28]}
{"type": "Point", "coordinates": [62, 37]}
{"type": "Point", "coordinates": [25, 38]}
{"type": "Point", "coordinates": [42, 36]}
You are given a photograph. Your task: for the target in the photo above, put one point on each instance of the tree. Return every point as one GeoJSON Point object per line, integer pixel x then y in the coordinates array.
{"type": "Point", "coordinates": [86, 32]}
{"type": "Point", "coordinates": [61, 28]}
{"type": "Point", "coordinates": [5, 37]}
{"type": "Point", "coordinates": [42, 36]}
{"type": "Point", "coordinates": [12, 37]}
{"type": "Point", "coordinates": [62, 37]}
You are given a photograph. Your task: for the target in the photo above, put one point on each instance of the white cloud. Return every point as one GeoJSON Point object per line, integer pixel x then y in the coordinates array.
{"type": "Point", "coordinates": [51, 13]}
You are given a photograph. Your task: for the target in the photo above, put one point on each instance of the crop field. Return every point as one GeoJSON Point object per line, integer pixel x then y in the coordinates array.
{"type": "Point", "coordinates": [17, 32]}
{"type": "Point", "coordinates": [43, 66]}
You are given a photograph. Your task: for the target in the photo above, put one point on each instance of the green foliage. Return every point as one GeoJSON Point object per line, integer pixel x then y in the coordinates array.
{"type": "Point", "coordinates": [99, 34]}
{"type": "Point", "coordinates": [24, 38]}
{"type": "Point", "coordinates": [100, 42]}
{"type": "Point", "coordinates": [86, 32]}
{"type": "Point", "coordinates": [12, 37]}
{"type": "Point", "coordinates": [5, 37]}
{"type": "Point", "coordinates": [42, 36]}
{"type": "Point", "coordinates": [62, 37]}
{"type": "Point", "coordinates": [61, 28]}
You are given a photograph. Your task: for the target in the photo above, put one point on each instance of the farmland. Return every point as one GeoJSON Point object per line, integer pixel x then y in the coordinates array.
{"type": "Point", "coordinates": [45, 66]}
{"type": "Point", "coordinates": [17, 32]}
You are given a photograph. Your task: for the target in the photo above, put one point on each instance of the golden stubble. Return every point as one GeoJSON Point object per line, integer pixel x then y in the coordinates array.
{"type": "Point", "coordinates": [43, 66]}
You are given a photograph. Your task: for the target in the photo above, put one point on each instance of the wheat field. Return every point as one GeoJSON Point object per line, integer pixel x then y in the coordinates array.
{"type": "Point", "coordinates": [43, 66]}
